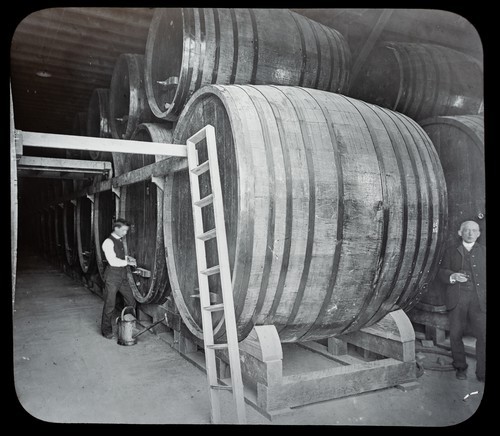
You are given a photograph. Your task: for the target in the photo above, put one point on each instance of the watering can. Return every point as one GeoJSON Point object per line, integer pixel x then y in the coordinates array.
{"type": "Point", "coordinates": [126, 325]}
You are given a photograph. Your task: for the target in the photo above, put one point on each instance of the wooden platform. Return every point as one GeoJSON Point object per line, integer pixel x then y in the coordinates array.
{"type": "Point", "coordinates": [280, 376]}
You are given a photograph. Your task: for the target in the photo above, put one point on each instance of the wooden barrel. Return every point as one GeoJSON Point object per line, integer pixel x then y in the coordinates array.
{"type": "Point", "coordinates": [98, 120]}
{"type": "Point", "coordinates": [39, 236]}
{"type": "Point", "coordinates": [69, 225]}
{"type": "Point", "coordinates": [84, 233]}
{"type": "Point", "coordinates": [58, 222]}
{"type": "Point", "coordinates": [142, 205]}
{"type": "Point", "coordinates": [46, 234]}
{"type": "Point", "coordinates": [128, 103]}
{"type": "Point", "coordinates": [191, 47]}
{"type": "Point", "coordinates": [333, 210]}
{"type": "Point", "coordinates": [459, 142]}
{"type": "Point", "coordinates": [420, 80]}
{"type": "Point", "coordinates": [47, 219]}
{"type": "Point", "coordinates": [104, 215]}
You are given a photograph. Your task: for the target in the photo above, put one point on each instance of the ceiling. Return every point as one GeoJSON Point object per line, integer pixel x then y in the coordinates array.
{"type": "Point", "coordinates": [60, 55]}
{"type": "Point", "coordinates": [78, 48]}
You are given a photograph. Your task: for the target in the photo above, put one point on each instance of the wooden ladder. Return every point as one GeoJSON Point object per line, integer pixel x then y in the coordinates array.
{"type": "Point", "coordinates": [201, 236]}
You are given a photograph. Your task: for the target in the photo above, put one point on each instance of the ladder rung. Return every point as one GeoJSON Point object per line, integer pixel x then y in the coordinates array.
{"type": "Point", "coordinates": [200, 169]}
{"type": "Point", "coordinates": [221, 387]}
{"type": "Point", "coordinates": [214, 307]}
{"type": "Point", "coordinates": [218, 346]}
{"type": "Point", "coordinates": [205, 201]}
{"type": "Point", "coordinates": [208, 235]}
{"type": "Point", "coordinates": [211, 271]}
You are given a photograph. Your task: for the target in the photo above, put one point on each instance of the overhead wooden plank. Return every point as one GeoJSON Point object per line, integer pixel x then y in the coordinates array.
{"type": "Point", "coordinates": [72, 142]}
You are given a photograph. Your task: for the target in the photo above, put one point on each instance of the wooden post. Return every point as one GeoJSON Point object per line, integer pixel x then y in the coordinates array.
{"type": "Point", "coordinates": [337, 347]}
{"type": "Point", "coordinates": [183, 344]}
{"type": "Point", "coordinates": [13, 199]}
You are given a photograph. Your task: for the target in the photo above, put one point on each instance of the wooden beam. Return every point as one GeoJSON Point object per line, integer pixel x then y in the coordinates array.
{"type": "Point", "coordinates": [156, 169]}
{"type": "Point", "coordinates": [72, 142]}
{"type": "Point", "coordinates": [58, 165]}
{"type": "Point", "coordinates": [54, 175]}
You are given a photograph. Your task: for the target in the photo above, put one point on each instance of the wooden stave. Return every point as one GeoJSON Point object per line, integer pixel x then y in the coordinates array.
{"type": "Point", "coordinates": [47, 220]}
{"type": "Point", "coordinates": [85, 233]}
{"type": "Point", "coordinates": [104, 214]}
{"type": "Point", "coordinates": [415, 286]}
{"type": "Point", "coordinates": [212, 32]}
{"type": "Point", "coordinates": [158, 287]}
{"type": "Point", "coordinates": [466, 133]}
{"type": "Point", "coordinates": [58, 222]}
{"type": "Point", "coordinates": [98, 120]}
{"type": "Point", "coordinates": [69, 226]}
{"type": "Point", "coordinates": [402, 82]}
{"type": "Point", "coordinates": [130, 68]}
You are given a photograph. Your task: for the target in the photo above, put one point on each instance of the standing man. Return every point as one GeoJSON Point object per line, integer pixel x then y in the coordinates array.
{"type": "Point", "coordinates": [115, 275]}
{"type": "Point", "coordinates": [463, 268]}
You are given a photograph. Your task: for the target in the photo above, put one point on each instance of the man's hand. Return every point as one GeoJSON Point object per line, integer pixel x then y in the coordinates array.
{"type": "Point", "coordinates": [131, 261]}
{"type": "Point", "coordinates": [458, 277]}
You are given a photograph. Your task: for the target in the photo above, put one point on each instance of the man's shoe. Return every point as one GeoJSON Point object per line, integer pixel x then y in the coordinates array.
{"type": "Point", "coordinates": [109, 336]}
{"type": "Point", "coordinates": [461, 374]}
{"type": "Point", "coordinates": [480, 378]}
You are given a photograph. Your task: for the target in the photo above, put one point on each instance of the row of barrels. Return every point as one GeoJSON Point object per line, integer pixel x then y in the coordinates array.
{"type": "Point", "coordinates": [189, 48]}
{"type": "Point", "coordinates": [336, 209]}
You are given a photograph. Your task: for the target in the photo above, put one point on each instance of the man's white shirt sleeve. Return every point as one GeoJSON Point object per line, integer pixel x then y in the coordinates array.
{"type": "Point", "coordinates": [109, 251]}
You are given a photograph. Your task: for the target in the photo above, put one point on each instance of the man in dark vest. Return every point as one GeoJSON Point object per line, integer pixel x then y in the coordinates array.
{"type": "Point", "coordinates": [115, 275]}
{"type": "Point", "coordinates": [463, 269]}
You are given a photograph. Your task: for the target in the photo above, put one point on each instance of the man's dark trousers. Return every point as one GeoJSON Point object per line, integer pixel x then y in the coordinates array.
{"type": "Point", "coordinates": [468, 311]}
{"type": "Point", "coordinates": [115, 279]}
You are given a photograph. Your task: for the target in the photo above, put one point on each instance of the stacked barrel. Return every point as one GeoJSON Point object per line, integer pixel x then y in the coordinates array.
{"type": "Point", "coordinates": [335, 191]}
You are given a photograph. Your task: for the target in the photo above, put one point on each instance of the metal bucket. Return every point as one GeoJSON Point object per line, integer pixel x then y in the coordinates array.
{"type": "Point", "coordinates": [126, 326]}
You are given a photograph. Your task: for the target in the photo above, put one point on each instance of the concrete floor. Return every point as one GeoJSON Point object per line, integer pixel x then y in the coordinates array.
{"type": "Point", "coordinates": [66, 372]}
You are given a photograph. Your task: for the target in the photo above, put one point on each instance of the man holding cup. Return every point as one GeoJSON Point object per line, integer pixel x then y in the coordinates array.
{"type": "Point", "coordinates": [463, 269]}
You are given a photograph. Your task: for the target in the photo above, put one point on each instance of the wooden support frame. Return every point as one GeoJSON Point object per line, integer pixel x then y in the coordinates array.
{"type": "Point", "coordinates": [175, 160]}
{"type": "Point", "coordinates": [158, 169]}
{"type": "Point", "coordinates": [159, 182]}
{"type": "Point", "coordinates": [392, 339]}
{"type": "Point", "coordinates": [273, 390]}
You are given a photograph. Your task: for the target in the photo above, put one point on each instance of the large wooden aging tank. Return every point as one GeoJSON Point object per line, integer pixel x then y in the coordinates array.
{"type": "Point", "coordinates": [191, 47]}
{"type": "Point", "coordinates": [420, 80]}
{"type": "Point", "coordinates": [128, 103]}
{"type": "Point", "coordinates": [333, 208]}
{"type": "Point", "coordinates": [459, 142]}
{"type": "Point", "coordinates": [142, 204]}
